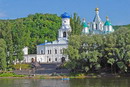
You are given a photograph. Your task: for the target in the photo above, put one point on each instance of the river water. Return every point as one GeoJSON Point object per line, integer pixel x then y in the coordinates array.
{"type": "Point", "coordinates": [93, 82]}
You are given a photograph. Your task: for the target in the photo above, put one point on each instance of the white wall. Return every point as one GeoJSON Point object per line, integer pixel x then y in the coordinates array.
{"type": "Point", "coordinates": [25, 50]}
{"type": "Point", "coordinates": [47, 58]}
{"type": "Point", "coordinates": [28, 58]}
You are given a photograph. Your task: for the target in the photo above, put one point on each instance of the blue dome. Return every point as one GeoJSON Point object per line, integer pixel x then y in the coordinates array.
{"type": "Point", "coordinates": [65, 15]}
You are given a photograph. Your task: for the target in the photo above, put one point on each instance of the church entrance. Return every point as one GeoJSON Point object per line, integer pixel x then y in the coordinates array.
{"type": "Point", "coordinates": [63, 59]}
{"type": "Point", "coordinates": [32, 60]}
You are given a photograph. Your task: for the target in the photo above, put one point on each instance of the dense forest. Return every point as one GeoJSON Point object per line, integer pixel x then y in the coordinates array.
{"type": "Point", "coordinates": [100, 53]}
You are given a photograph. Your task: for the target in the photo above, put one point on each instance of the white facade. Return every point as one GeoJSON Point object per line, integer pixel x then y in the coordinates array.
{"type": "Point", "coordinates": [52, 52]}
{"type": "Point", "coordinates": [25, 50]}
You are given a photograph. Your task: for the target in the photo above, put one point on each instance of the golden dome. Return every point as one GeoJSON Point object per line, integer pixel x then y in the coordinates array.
{"type": "Point", "coordinates": [96, 9]}
{"type": "Point", "coordinates": [107, 17]}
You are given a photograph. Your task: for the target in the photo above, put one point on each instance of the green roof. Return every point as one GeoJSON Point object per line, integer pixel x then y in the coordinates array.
{"type": "Point", "coordinates": [107, 23]}
{"type": "Point", "coordinates": [84, 25]}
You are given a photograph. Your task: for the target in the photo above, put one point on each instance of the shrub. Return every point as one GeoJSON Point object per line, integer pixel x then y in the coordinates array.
{"type": "Point", "coordinates": [10, 74]}
{"type": "Point", "coordinates": [23, 66]}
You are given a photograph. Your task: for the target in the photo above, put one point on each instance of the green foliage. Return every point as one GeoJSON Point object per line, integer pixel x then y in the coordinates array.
{"type": "Point", "coordinates": [10, 74]}
{"type": "Point", "coordinates": [117, 27]}
{"type": "Point", "coordinates": [3, 63]}
{"type": "Point", "coordinates": [29, 31]}
{"type": "Point", "coordinates": [76, 24]}
{"type": "Point", "coordinates": [86, 69]}
{"type": "Point", "coordinates": [35, 29]}
{"type": "Point", "coordinates": [122, 66]}
{"type": "Point", "coordinates": [23, 66]}
{"type": "Point", "coordinates": [6, 74]}
{"type": "Point", "coordinates": [111, 61]}
{"type": "Point", "coordinates": [95, 52]}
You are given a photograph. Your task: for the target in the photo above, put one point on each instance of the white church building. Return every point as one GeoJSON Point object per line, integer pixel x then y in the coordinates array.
{"type": "Point", "coordinates": [52, 52]}
{"type": "Point", "coordinates": [97, 26]}
{"type": "Point", "coordinates": [49, 52]}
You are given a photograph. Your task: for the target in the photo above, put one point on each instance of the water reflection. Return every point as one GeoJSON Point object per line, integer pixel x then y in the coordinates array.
{"type": "Point", "coordinates": [102, 82]}
{"type": "Point", "coordinates": [97, 82]}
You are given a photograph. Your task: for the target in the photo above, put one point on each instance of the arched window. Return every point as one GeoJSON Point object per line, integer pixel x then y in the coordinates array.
{"type": "Point", "coordinates": [49, 59]}
{"type": "Point", "coordinates": [64, 34]}
{"type": "Point", "coordinates": [63, 59]}
{"type": "Point", "coordinates": [32, 60]}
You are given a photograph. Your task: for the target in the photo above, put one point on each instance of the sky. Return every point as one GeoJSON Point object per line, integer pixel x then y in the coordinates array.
{"type": "Point", "coordinates": [117, 10]}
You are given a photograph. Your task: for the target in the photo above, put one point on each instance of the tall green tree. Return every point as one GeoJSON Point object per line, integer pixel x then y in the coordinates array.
{"type": "Point", "coordinates": [76, 24]}
{"type": "Point", "coordinates": [20, 39]}
{"type": "Point", "coordinates": [7, 36]}
{"type": "Point", "coordinates": [3, 63]}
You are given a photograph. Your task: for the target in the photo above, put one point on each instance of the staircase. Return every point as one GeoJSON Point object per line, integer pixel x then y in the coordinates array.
{"type": "Point", "coordinates": [46, 68]}
{"type": "Point", "coordinates": [51, 68]}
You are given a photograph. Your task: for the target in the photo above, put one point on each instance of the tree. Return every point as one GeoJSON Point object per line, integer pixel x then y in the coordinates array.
{"type": "Point", "coordinates": [83, 53]}
{"type": "Point", "coordinates": [3, 54]}
{"type": "Point", "coordinates": [122, 49]}
{"type": "Point", "coordinates": [7, 36]}
{"type": "Point", "coordinates": [76, 24]}
{"type": "Point", "coordinates": [95, 52]}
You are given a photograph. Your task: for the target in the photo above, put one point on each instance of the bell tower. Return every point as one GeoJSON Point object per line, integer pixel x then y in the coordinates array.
{"type": "Point", "coordinates": [63, 32]}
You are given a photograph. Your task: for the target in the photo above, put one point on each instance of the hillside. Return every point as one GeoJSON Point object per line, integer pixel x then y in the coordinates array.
{"type": "Point", "coordinates": [31, 30]}
{"type": "Point", "coordinates": [119, 26]}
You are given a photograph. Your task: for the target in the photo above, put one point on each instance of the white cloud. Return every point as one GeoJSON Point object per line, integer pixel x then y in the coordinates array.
{"type": "Point", "coordinates": [2, 14]}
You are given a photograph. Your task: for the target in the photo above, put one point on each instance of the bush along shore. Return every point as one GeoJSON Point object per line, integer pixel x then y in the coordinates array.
{"type": "Point", "coordinates": [10, 74]}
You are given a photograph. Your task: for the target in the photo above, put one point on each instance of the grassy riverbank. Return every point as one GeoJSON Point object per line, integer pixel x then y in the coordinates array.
{"type": "Point", "coordinates": [10, 74]}
{"type": "Point", "coordinates": [60, 76]}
